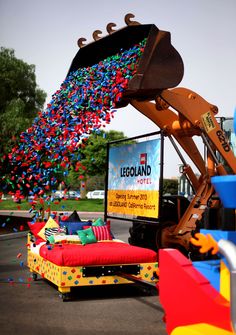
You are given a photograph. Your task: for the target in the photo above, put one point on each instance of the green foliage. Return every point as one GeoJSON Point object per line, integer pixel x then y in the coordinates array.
{"type": "Point", "coordinates": [95, 152]}
{"type": "Point", "coordinates": [94, 157]}
{"type": "Point", "coordinates": [170, 186]}
{"type": "Point", "coordinates": [72, 179]}
{"type": "Point", "coordinates": [83, 205]}
{"type": "Point", "coordinates": [20, 97]}
{"type": "Point", "coordinates": [95, 183]}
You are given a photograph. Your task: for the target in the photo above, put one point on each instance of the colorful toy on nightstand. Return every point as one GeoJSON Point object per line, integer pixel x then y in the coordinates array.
{"type": "Point", "coordinates": [192, 305]}
{"type": "Point", "coordinates": [190, 302]}
{"type": "Point", "coordinates": [228, 283]}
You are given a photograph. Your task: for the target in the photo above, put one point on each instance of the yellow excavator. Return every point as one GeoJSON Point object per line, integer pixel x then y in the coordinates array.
{"type": "Point", "coordinates": [182, 115]}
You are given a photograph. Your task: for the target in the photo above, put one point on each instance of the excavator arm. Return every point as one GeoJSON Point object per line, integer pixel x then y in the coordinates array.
{"type": "Point", "coordinates": [190, 116]}
{"type": "Point", "coordinates": [192, 107]}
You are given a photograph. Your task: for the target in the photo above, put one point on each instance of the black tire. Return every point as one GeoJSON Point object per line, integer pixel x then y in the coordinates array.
{"type": "Point", "coordinates": [34, 276]}
{"type": "Point", "coordinates": [64, 296]}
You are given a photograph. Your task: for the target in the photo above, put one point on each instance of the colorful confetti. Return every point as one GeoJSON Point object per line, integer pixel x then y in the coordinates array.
{"type": "Point", "coordinates": [85, 102]}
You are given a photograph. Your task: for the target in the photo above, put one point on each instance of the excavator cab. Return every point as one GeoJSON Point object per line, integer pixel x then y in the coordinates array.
{"type": "Point", "coordinates": [227, 125]}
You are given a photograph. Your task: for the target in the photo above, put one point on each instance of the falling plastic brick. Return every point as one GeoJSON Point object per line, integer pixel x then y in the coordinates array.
{"type": "Point", "coordinates": [83, 104]}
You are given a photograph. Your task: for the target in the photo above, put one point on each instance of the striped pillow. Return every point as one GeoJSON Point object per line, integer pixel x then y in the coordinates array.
{"type": "Point", "coordinates": [102, 233]}
{"type": "Point", "coordinates": [55, 231]}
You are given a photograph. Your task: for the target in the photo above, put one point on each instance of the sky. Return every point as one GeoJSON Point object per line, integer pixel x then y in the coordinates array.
{"type": "Point", "coordinates": [45, 33]}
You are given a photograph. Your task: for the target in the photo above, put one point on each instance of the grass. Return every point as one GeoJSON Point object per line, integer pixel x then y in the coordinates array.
{"type": "Point", "coordinates": [82, 205]}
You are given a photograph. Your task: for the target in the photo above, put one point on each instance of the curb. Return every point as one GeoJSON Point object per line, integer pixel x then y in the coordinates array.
{"type": "Point", "coordinates": [10, 236]}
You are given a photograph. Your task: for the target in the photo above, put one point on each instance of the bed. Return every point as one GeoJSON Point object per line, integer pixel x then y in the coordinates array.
{"type": "Point", "coordinates": [87, 256]}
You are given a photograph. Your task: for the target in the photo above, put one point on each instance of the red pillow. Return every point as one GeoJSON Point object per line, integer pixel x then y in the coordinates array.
{"type": "Point", "coordinates": [35, 228]}
{"type": "Point", "coordinates": [102, 233]}
{"type": "Point", "coordinates": [86, 227]}
{"type": "Point", "coordinates": [64, 217]}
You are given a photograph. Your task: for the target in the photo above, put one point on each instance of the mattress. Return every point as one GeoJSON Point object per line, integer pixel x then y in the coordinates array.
{"type": "Point", "coordinates": [102, 253]}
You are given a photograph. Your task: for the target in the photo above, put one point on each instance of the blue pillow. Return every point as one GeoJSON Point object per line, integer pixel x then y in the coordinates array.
{"type": "Point", "coordinates": [72, 227]}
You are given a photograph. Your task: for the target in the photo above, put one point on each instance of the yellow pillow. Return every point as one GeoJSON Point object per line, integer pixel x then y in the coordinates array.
{"type": "Point", "coordinates": [49, 224]}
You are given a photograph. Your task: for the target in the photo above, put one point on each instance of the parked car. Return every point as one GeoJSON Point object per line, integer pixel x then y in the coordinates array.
{"type": "Point", "coordinates": [67, 195]}
{"type": "Point", "coordinates": [58, 194]}
{"type": "Point", "coordinates": [72, 195]}
{"type": "Point", "coordinates": [97, 194]}
{"type": "Point", "coordinates": [89, 195]}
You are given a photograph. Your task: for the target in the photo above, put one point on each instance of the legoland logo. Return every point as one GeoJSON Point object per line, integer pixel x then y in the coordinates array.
{"type": "Point", "coordinates": [143, 169]}
{"type": "Point", "coordinates": [143, 158]}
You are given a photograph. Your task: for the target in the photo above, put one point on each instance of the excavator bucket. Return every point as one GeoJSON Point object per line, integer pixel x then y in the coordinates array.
{"type": "Point", "coordinates": [159, 67]}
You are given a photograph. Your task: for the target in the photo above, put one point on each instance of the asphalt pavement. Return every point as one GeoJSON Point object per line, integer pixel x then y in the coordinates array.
{"type": "Point", "coordinates": [34, 307]}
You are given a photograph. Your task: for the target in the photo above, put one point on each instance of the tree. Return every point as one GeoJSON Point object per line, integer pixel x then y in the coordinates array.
{"type": "Point", "coordinates": [93, 159]}
{"type": "Point", "coordinates": [20, 97]}
{"type": "Point", "coordinates": [94, 154]}
{"type": "Point", "coordinates": [170, 186]}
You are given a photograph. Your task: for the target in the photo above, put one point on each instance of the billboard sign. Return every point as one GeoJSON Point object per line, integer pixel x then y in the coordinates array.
{"type": "Point", "coordinates": [133, 179]}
